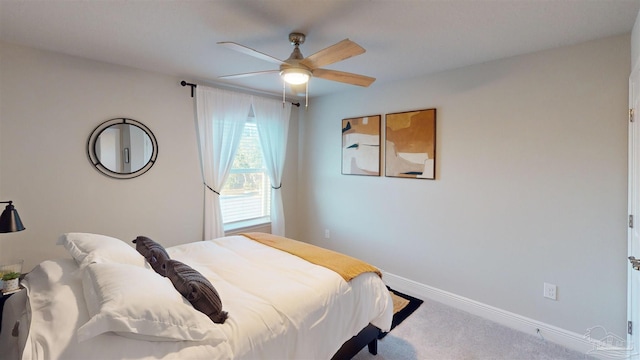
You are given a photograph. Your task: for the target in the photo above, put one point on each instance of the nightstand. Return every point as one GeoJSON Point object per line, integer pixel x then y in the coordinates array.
{"type": "Point", "coordinates": [5, 297]}
{"type": "Point", "coordinates": [2, 300]}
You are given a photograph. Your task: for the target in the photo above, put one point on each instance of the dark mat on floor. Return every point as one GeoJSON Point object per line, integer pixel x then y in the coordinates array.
{"type": "Point", "coordinates": [407, 305]}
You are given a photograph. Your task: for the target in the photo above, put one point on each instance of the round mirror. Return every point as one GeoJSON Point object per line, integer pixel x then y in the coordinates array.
{"type": "Point", "coordinates": [122, 148]}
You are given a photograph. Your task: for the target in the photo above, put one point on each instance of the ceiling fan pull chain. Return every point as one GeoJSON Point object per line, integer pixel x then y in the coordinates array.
{"type": "Point", "coordinates": [306, 100]}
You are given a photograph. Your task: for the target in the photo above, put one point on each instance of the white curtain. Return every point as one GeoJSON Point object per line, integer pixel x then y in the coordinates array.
{"type": "Point", "coordinates": [221, 116]}
{"type": "Point", "coordinates": [272, 120]}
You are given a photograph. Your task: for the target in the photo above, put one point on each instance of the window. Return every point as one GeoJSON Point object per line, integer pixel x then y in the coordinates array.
{"type": "Point", "coordinates": [246, 195]}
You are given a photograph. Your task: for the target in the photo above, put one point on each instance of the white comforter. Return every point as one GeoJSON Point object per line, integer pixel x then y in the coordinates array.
{"type": "Point", "coordinates": [280, 307]}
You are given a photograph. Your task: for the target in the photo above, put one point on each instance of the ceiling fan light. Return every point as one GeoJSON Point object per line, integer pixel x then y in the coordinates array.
{"type": "Point", "coordinates": [295, 76]}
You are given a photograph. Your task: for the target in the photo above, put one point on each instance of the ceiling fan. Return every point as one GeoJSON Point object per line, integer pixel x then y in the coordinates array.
{"type": "Point", "coordinates": [296, 70]}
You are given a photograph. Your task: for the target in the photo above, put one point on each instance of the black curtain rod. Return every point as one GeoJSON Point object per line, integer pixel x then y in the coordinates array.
{"type": "Point", "coordinates": [193, 86]}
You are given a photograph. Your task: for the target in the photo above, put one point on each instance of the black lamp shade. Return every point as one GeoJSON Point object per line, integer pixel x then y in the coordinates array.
{"type": "Point", "coordinates": [10, 220]}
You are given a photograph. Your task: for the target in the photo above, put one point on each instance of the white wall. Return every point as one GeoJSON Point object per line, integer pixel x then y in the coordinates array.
{"type": "Point", "coordinates": [531, 184]}
{"type": "Point", "coordinates": [635, 43]}
{"type": "Point", "coordinates": [49, 105]}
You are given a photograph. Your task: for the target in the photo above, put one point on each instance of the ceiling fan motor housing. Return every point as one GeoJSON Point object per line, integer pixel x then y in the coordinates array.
{"type": "Point", "coordinates": [292, 64]}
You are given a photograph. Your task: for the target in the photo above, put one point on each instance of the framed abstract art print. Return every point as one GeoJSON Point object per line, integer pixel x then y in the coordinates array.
{"type": "Point", "coordinates": [361, 146]}
{"type": "Point", "coordinates": [410, 144]}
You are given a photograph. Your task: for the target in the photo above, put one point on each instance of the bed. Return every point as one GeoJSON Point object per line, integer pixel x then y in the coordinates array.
{"type": "Point", "coordinates": [107, 302]}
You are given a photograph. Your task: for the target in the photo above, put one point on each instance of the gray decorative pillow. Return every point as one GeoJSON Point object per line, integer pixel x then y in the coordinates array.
{"type": "Point", "coordinates": [155, 253]}
{"type": "Point", "coordinates": [195, 288]}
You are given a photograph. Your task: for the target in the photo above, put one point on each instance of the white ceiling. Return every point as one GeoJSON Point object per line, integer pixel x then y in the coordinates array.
{"type": "Point", "coordinates": [403, 38]}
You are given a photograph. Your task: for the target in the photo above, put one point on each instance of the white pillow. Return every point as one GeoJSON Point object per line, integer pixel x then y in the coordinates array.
{"type": "Point", "coordinates": [140, 304]}
{"type": "Point", "coordinates": [88, 248]}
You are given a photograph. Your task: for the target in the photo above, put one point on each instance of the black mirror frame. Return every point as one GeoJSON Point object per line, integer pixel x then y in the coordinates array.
{"type": "Point", "coordinates": [93, 158]}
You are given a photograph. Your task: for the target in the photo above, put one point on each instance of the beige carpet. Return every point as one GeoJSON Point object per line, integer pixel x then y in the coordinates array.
{"type": "Point", "coordinates": [439, 332]}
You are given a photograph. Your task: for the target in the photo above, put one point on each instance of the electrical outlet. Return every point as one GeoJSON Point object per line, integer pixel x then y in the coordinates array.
{"type": "Point", "coordinates": [327, 234]}
{"type": "Point", "coordinates": [550, 291]}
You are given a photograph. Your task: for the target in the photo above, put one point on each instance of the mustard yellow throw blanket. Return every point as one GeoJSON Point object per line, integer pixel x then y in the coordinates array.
{"type": "Point", "coordinates": [344, 265]}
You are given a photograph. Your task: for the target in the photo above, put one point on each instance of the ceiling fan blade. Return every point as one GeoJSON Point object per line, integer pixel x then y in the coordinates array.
{"type": "Point", "coordinates": [332, 54]}
{"type": "Point", "coordinates": [251, 52]}
{"type": "Point", "coordinates": [344, 77]}
{"type": "Point", "coordinates": [237, 76]}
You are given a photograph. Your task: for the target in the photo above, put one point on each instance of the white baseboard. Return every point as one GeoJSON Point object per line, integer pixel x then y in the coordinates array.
{"type": "Point", "coordinates": [568, 339]}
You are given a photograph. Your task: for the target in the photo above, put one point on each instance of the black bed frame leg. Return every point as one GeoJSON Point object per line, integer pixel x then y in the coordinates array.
{"type": "Point", "coordinates": [373, 347]}
{"type": "Point", "coordinates": [366, 337]}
